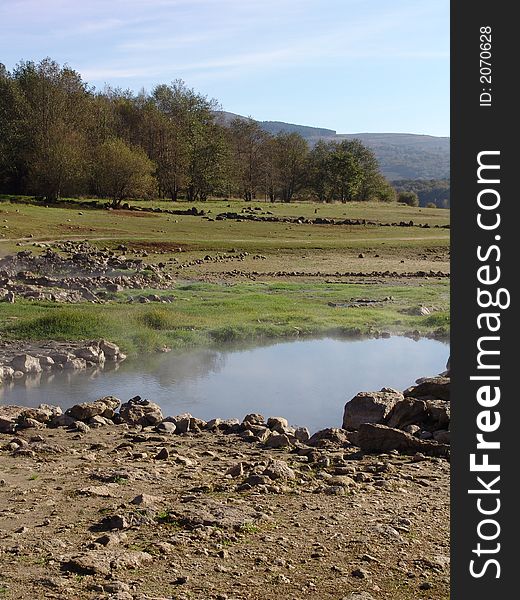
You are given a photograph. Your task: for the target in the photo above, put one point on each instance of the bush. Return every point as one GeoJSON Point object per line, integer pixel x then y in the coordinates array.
{"type": "Point", "coordinates": [409, 198]}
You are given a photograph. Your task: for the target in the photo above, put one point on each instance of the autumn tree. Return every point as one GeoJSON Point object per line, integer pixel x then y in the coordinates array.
{"type": "Point", "coordinates": [122, 171]}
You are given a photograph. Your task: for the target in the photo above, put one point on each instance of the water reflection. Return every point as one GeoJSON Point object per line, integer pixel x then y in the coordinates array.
{"type": "Point", "coordinates": [307, 381]}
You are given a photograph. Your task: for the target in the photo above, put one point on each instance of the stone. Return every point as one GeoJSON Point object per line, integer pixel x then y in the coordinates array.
{"type": "Point", "coordinates": [277, 440]}
{"type": "Point", "coordinates": [104, 407]}
{"type": "Point", "coordinates": [430, 387]}
{"type": "Point", "coordinates": [26, 364]}
{"type": "Point", "coordinates": [91, 353]}
{"type": "Point", "coordinates": [141, 412]}
{"type": "Point", "coordinates": [369, 407]}
{"type": "Point", "coordinates": [408, 411]}
{"type": "Point", "coordinates": [166, 427]}
{"type": "Point", "coordinates": [46, 361]}
{"type": "Point", "coordinates": [331, 435]}
{"type": "Point", "coordinates": [75, 364]}
{"type": "Point", "coordinates": [236, 470]}
{"type": "Point", "coordinates": [163, 454]}
{"type": "Point", "coordinates": [279, 469]}
{"type": "Point", "coordinates": [278, 424]}
{"type": "Point", "coordinates": [438, 414]}
{"type": "Point", "coordinates": [6, 373]}
{"type": "Point", "coordinates": [443, 437]}
{"type": "Point", "coordinates": [62, 421]}
{"type": "Point", "coordinates": [380, 438]}
{"type": "Point", "coordinates": [109, 349]}
{"type": "Point", "coordinates": [146, 500]}
{"type": "Point", "coordinates": [111, 522]}
{"type": "Point", "coordinates": [254, 419]}
{"type": "Point", "coordinates": [7, 425]}
{"type": "Point", "coordinates": [358, 596]}
{"type": "Point", "coordinates": [302, 434]}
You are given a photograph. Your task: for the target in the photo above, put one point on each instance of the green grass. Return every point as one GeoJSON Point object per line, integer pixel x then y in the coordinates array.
{"type": "Point", "coordinates": [213, 313]}
{"type": "Point", "coordinates": [207, 313]}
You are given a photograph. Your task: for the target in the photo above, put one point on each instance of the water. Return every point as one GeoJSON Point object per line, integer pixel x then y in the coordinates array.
{"type": "Point", "coordinates": [306, 381]}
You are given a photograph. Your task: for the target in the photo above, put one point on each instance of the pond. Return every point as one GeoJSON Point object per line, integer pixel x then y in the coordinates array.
{"type": "Point", "coordinates": [307, 381]}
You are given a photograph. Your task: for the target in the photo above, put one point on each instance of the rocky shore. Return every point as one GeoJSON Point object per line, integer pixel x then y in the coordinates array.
{"type": "Point", "coordinates": [116, 501]}
{"type": "Point", "coordinates": [22, 359]}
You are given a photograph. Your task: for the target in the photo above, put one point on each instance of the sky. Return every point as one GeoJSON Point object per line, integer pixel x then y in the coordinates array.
{"type": "Point", "coordinates": [349, 65]}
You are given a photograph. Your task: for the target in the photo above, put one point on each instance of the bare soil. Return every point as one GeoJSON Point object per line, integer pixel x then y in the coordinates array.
{"type": "Point", "coordinates": [347, 526]}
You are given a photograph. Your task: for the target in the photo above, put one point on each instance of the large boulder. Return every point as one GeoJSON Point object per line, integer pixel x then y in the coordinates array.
{"type": "Point", "coordinates": [138, 411]}
{"type": "Point", "coordinates": [26, 363]}
{"type": "Point", "coordinates": [6, 373]}
{"type": "Point", "coordinates": [408, 411]}
{"type": "Point", "coordinates": [104, 407]}
{"type": "Point", "coordinates": [326, 437]}
{"type": "Point", "coordinates": [369, 407]}
{"type": "Point", "coordinates": [109, 349]}
{"type": "Point", "coordinates": [438, 414]}
{"type": "Point", "coordinates": [380, 438]}
{"type": "Point", "coordinates": [429, 388]}
{"type": "Point", "coordinates": [91, 353]}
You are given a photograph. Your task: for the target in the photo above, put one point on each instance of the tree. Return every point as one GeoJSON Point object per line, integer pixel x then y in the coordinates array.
{"type": "Point", "coordinates": [122, 171]}
{"type": "Point", "coordinates": [409, 198]}
{"type": "Point", "coordinates": [318, 171]}
{"type": "Point", "coordinates": [345, 172]}
{"type": "Point", "coordinates": [291, 151]}
{"type": "Point", "coordinates": [249, 156]}
{"type": "Point", "coordinates": [54, 100]}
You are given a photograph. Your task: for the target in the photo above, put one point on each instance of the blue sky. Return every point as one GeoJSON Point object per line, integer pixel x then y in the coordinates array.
{"type": "Point", "coordinates": [349, 65]}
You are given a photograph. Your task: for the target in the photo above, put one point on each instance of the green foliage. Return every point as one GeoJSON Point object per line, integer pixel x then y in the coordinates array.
{"type": "Point", "coordinates": [60, 324]}
{"type": "Point", "coordinates": [408, 198]}
{"type": "Point", "coordinates": [430, 191]}
{"type": "Point", "coordinates": [122, 171]}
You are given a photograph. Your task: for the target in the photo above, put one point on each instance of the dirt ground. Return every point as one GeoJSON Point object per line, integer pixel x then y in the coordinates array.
{"type": "Point", "coordinates": [126, 513]}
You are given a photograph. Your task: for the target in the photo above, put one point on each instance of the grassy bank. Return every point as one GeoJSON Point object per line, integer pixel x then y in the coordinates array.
{"type": "Point", "coordinates": [205, 313]}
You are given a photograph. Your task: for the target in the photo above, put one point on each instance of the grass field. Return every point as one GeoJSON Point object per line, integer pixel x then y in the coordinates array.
{"type": "Point", "coordinates": [224, 283]}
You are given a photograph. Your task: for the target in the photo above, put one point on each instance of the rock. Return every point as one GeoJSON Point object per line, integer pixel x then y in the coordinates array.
{"type": "Point", "coordinates": [163, 454]}
{"type": "Point", "coordinates": [7, 425]}
{"type": "Point", "coordinates": [279, 469]}
{"type": "Point", "coordinates": [110, 350]}
{"type": "Point", "coordinates": [61, 358]}
{"type": "Point", "coordinates": [141, 412]}
{"type": "Point", "coordinates": [412, 429]}
{"type": "Point", "coordinates": [101, 491]}
{"type": "Point", "coordinates": [254, 419]}
{"type": "Point", "coordinates": [278, 424]}
{"type": "Point", "coordinates": [166, 427]}
{"type": "Point", "coordinates": [380, 438]}
{"type": "Point", "coordinates": [46, 361]}
{"type": "Point", "coordinates": [360, 573]}
{"type": "Point", "coordinates": [302, 434]}
{"type": "Point", "coordinates": [146, 500]}
{"type": "Point", "coordinates": [62, 421]}
{"type": "Point", "coordinates": [358, 596]}
{"type": "Point", "coordinates": [369, 407]}
{"type": "Point", "coordinates": [6, 373]}
{"type": "Point", "coordinates": [26, 364]}
{"type": "Point", "coordinates": [236, 470]}
{"type": "Point", "coordinates": [331, 435]}
{"type": "Point", "coordinates": [111, 522]}
{"type": "Point", "coordinates": [430, 387]}
{"type": "Point", "coordinates": [104, 407]}
{"type": "Point", "coordinates": [88, 563]}
{"type": "Point", "coordinates": [99, 421]}
{"type": "Point", "coordinates": [277, 440]}
{"type": "Point", "coordinates": [91, 353]}
{"type": "Point", "coordinates": [75, 364]}
{"type": "Point", "coordinates": [408, 411]}
{"type": "Point", "coordinates": [443, 437]}
{"type": "Point", "coordinates": [438, 414]}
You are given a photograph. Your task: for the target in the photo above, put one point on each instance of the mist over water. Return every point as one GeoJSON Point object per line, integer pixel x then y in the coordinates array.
{"type": "Point", "coordinates": [307, 381]}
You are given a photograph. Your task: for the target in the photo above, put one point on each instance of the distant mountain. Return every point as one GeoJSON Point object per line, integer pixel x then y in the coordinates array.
{"type": "Point", "coordinates": [400, 155]}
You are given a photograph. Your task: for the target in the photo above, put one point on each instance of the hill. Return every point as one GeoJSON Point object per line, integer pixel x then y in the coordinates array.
{"type": "Point", "coordinates": [400, 155]}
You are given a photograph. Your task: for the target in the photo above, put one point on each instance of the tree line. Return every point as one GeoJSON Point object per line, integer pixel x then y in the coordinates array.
{"type": "Point", "coordinates": [60, 137]}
